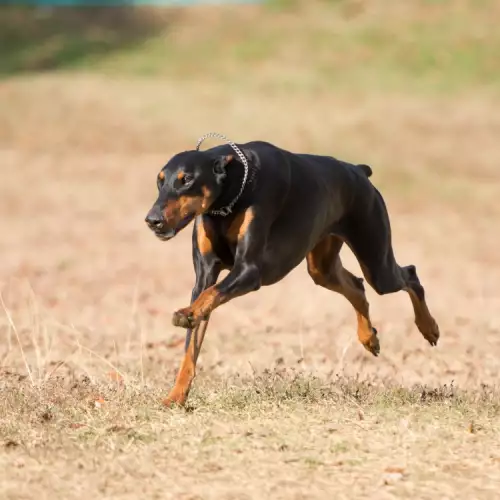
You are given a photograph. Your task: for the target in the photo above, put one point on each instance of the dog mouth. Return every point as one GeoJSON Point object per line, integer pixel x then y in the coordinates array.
{"type": "Point", "coordinates": [165, 234]}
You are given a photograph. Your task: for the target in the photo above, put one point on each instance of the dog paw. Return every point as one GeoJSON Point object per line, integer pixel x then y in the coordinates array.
{"type": "Point", "coordinates": [371, 344]}
{"type": "Point", "coordinates": [183, 318]}
{"type": "Point", "coordinates": [175, 398]}
{"type": "Point", "coordinates": [430, 331]}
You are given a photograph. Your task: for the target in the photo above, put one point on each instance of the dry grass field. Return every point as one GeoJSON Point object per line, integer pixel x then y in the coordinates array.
{"type": "Point", "coordinates": [287, 404]}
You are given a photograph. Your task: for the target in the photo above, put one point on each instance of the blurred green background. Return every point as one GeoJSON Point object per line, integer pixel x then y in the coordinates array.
{"type": "Point", "coordinates": [423, 45]}
{"type": "Point", "coordinates": [411, 87]}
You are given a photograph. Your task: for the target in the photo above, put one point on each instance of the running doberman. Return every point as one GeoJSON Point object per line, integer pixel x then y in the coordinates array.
{"type": "Point", "coordinates": [260, 210]}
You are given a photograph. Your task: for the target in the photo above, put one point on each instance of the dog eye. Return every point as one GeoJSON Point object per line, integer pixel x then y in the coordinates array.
{"type": "Point", "coordinates": [187, 179]}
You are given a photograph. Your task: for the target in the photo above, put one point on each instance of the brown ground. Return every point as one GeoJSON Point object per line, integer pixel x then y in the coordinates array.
{"type": "Point", "coordinates": [287, 403]}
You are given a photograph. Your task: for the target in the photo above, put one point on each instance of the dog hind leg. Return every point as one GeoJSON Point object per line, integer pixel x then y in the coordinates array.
{"type": "Point", "coordinates": [326, 270]}
{"type": "Point", "coordinates": [369, 237]}
{"type": "Point", "coordinates": [423, 318]}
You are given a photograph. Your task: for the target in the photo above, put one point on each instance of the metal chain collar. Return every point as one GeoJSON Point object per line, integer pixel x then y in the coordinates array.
{"type": "Point", "coordinates": [225, 211]}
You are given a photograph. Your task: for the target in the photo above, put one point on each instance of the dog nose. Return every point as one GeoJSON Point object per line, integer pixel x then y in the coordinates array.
{"type": "Point", "coordinates": [154, 221]}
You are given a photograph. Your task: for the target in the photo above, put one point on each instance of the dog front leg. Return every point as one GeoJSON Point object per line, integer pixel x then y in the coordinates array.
{"type": "Point", "coordinates": [194, 339]}
{"type": "Point", "coordinates": [242, 279]}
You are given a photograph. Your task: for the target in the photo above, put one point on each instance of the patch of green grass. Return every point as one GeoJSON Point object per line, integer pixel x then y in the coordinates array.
{"type": "Point", "coordinates": [437, 46]}
{"type": "Point", "coordinates": [446, 54]}
{"type": "Point", "coordinates": [36, 39]}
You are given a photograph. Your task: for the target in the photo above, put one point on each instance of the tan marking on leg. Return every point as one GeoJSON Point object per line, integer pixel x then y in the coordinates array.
{"type": "Point", "coordinates": [187, 370]}
{"type": "Point", "coordinates": [190, 317]}
{"type": "Point", "coordinates": [366, 333]}
{"type": "Point", "coordinates": [423, 319]}
{"type": "Point", "coordinates": [206, 302]}
{"type": "Point", "coordinates": [204, 243]}
{"type": "Point", "coordinates": [240, 225]}
{"type": "Point", "coordinates": [325, 267]}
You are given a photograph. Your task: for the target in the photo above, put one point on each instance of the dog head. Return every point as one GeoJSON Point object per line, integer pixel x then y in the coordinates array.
{"type": "Point", "coordinates": [187, 186]}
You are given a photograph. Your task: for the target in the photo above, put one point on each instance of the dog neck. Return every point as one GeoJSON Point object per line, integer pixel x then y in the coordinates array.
{"type": "Point", "coordinates": [231, 185]}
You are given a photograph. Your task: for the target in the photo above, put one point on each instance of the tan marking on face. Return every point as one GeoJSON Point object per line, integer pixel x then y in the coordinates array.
{"type": "Point", "coordinates": [190, 205]}
{"type": "Point", "coordinates": [207, 197]}
{"type": "Point", "coordinates": [240, 225]}
{"type": "Point", "coordinates": [161, 176]}
{"type": "Point", "coordinates": [176, 210]}
{"type": "Point", "coordinates": [180, 175]}
{"type": "Point", "coordinates": [204, 243]}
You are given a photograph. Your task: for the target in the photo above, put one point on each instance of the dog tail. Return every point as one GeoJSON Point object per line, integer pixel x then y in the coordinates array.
{"type": "Point", "coordinates": [367, 170]}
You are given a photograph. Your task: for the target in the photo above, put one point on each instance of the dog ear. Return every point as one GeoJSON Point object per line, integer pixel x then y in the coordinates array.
{"type": "Point", "coordinates": [219, 167]}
